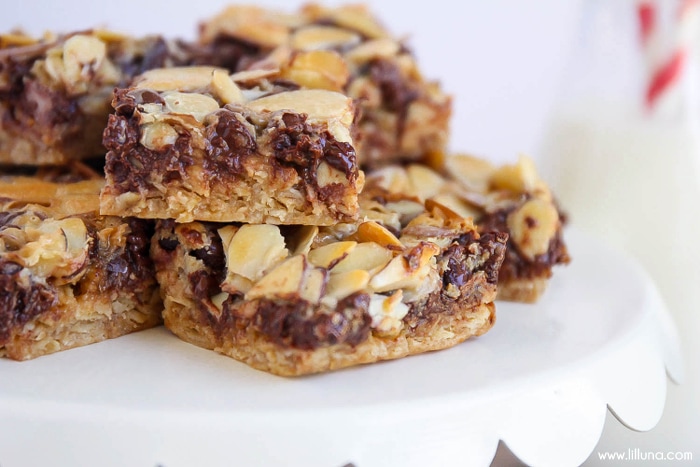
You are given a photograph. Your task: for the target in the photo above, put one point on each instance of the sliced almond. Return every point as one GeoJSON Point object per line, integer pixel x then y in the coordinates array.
{"type": "Point", "coordinates": [393, 178]}
{"type": "Point", "coordinates": [187, 103]}
{"type": "Point", "coordinates": [318, 69]}
{"type": "Point", "coordinates": [313, 285]}
{"type": "Point", "coordinates": [328, 255]}
{"type": "Point", "coordinates": [157, 135]}
{"type": "Point", "coordinates": [425, 182]}
{"type": "Point", "coordinates": [82, 55]}
{"type": "Point", "coordinates": [323, 38]}
{"type": "Point", "coordinates": [283, 281]}
{"type": "Point", "coordinates": [367, 256]}
{"type": "Point", "coordinates": [327, 175]}
{"type": "Point", "coordinates": [317, 104]}
{"type": "Point", "coordinates": [405, 271]}
{"type": "Point", "coordinates": [358, 18]}
{"type": "Point", "coordinates": [455, 205]}
{"type": "Point", "coordinates": [371, 231]}
{"type": "Point", "coordinates": [520, 177]}
{"type": "Point", "coordinates": [406, 208]}
{"type": "Point", "coordinates": [370, 50]}
{"type": "Point", "coordinates": [236, 284]}
{"type": "Point", "coordinates": [472, 172]}
{"type": "Point", "coordinates": [300, 241]}
{"type": "Point", "coordinates": [347, 283]}
{"type": "Point", "coordinates": [246, 76]}
{"type": "Point", "coordinates": [255, 249]}
{"type": "Point", "coordinates": [387, 312]}
{"type": "Point", "coordinates": [533, 226]}
{"type": "Point", "coordinates": [224, 87]}
{"type": "Point", "coordinates": [185, 79]}
{"type": "Point", "coordinates": [218, 301]}
{"type": "Point", "coordinates": [252, 24]}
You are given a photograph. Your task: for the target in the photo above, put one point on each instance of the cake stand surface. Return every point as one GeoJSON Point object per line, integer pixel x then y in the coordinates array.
{"type": "Point", "coordinates": [541, 381]}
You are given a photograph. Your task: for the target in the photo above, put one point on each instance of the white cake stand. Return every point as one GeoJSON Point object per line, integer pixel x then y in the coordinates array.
{"type": "Point", "coordinates": [541, 381]}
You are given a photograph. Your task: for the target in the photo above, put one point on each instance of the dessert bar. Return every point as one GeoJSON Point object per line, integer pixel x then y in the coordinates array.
{"type": "Point", "coordinates": [345, 48]}
{"type": "Point", "coordinates": [55, 91]}
{"type": "Point", "coordinates": [69, 277]}
{"type": "Point", "coordinates": [293, 300]}
{"type": "Point", "coordinates": [510, 199]}
{"type": "Point", "coordinates": [196, 143]}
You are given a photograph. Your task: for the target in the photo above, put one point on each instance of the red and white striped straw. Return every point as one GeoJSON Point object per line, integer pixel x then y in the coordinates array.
{"type": "Point", "coordinates": [666, 59]}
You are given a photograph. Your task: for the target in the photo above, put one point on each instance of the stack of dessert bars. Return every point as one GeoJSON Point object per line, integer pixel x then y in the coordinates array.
{"type": "Point", "coordinates": [277, 191]}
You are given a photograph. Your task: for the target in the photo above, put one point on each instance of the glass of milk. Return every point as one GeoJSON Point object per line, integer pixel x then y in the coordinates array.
{"type": "Point", "coordinates": [629, 173]}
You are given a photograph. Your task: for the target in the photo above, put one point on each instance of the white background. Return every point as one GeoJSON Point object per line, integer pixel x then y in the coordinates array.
{"type": "Point", "coordinates": [502, 60]}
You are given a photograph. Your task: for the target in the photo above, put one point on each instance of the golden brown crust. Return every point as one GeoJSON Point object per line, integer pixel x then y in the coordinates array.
{"type": "Point", "coordinates": [522, 290]}
{"type": "Point", "coordinates": [249, 346]}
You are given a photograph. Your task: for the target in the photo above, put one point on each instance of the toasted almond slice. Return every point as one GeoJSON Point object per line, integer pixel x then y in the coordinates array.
{"type": "Point", "coordinates": [255, 249]}
{"type": "Point", "coordinates": [301, 240]}
{"type": "Point", "coordinates": [533, 226]}
{"type": "Point", "coordinates": [387, 312]}
{"type": "Point", "coordinates": [367, 256]}
{"type": "Point", "coordinates": [358, 18]}
{"type": "Point", "coordinates": [284, 280]}
{"type": "Point", "coordinates": [253, 75]}
{"type": "Point", "coordinates": [408, 209]}
{"type": "Point", "coordinates": [185, 79]}
{"type": "Point", "coordinates": [378, 48]}
{"type": "Point", "coordinates": [313, 285]}
{"type": "Point", "coordinates": [454, 206]}
{"type": "Point", "coordinates": [219, 299]}
{"type": "Point", "coordinates": [224, 87]}
{"type": "Point", "coordinates": [188, 103]}
{"type": "Point", "coordinates": [472, 172]}
{"type": "Point", "coordinates": [405, 272]}
{"type": "Point", "coordinates": [235, 284]}
{"type": "Point", "coordinates": [392, 178]}
{"type": "Point", "coordinates": [250, 23]}
{"type": "Point", "coordinates": [371, 231]}
{"type": "Point", "coordinates": [520, 177]}
{"type": "Point", "coordinates": [425, 182]}
{"type": "Point", "coordinates": [323, 37]}
{"type": "Point", "coordinates": [327, 175]}
{"type": "Point", "coordinates": [346, 283]}
{"type": "Point", "coordinates": [318, 104]}
{"type": "Point", "coordinates": [329, 255]}
{"type": "Point", "coordinates": [158, 135]}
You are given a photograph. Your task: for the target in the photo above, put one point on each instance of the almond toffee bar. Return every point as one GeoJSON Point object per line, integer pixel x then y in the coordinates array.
{"type": "Point", "coordinates": [292, 300]}
{"type": "Point", "coordinates": [55, 91]}
{"type": "Point", "coordinates": [197, 143]}
{"type": "Point", "coordinates": [511, 199]}
{"type": "Point", "coordinates": [68, 276]}
{"type": "Point", "coordinates": [403, 116]}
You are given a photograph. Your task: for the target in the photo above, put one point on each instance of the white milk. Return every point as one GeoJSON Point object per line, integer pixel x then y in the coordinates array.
{"type": "Point", "coordinates": [635, 183]}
